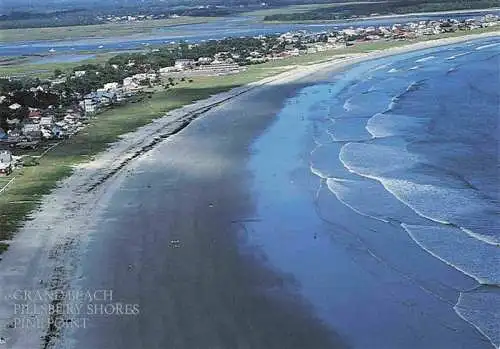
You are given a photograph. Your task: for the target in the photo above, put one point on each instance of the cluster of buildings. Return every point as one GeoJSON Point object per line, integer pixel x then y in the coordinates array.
{"type": "Point", "coordinates": [134, 18]}
{"type": "Point", "coordinates": [304, 43]}
{"type": "Point", "coordinates": [54, 123]}
{"type": "Point", "coordinates": [412, 30]}
{"type": "Point", "coordinates": [222, 63]}
{"type": "Point", "coordinates": [41, 124]}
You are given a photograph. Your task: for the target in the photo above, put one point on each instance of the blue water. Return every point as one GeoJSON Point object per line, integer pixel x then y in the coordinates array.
{"type": "Point", "coordinates": [227, 27]}
{"type": "Point", "coordinates": [405, 152]}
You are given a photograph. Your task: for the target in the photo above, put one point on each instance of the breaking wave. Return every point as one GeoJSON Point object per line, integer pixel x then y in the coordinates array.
{"type": "Point", "coordinates": [381, 147]}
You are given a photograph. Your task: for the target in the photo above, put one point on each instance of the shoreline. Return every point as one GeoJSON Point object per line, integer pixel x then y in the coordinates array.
{"type": "Point", "coordinates": [73, 207]}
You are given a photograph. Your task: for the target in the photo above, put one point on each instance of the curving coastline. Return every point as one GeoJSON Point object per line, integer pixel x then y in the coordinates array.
{"type": "Point", "coordinates": [69, 216]}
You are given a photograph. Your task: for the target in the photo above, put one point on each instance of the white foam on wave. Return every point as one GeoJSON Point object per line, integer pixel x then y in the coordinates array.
{"type": "Point", "coordinates": [443, 199]}
{"type": "Point", "coordinates": [459, 250]}
{"type": "Point", "coordinates": [374, 160]}
{"type": "Point", "coordinates": [388, 124]}
{"type": "Point", "coordinates": [393, 70]}
{"type": "Point", "coordinates": [425, 59]}
{"type": "Point", "coordinates": [382, 66]}
{"type": "Point", "coordinates": [486, 46]}
{"type": "Point", "coordinates": [458, 55]}
{"type": "Point", "coordinates": [485, 239]}
{"type": "Point", "coordinates": [414, 68]}
{"type": "Point", "coordinates": [443, 205]}
{"type": "Point", "coordinates": [347, 105]}
{"type": "Point", "coordinates": [349, 129]}
{"type": "Point", "coordinates": [360, 195]}
{"type": "Point", "coordinates": [325, 162]}
{"type": "Point", "coordinates": [339, 189]}
{"type": "Point", "coordinates": [481, 308]}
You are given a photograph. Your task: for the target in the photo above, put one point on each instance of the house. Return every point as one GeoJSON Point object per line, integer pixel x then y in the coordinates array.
{"type": "Point", "coordinates": [106, 98]}
{"type": "Point", "coordinates": [80, 73]}
{"type": "Point", "coordinates": [14, 106]}
{"type": "Point", "coordinates": [89, 105]}
{"type": "Point", "coordinates": [110, 86]}
{"type": "Point", "coordinates": [166, 70]}
{"type": "Point", "coordinates": [46, 121]}
{"type": "Point", "coordinates": [139, 77]}
{"type": "Point", "coordinates": [204, 60]}
{"type": "Point", "coordinates": [34, 114]}
{"type": "Point", "coordinates": [58, 132]}
{"type": "Point", "coordinates": [46, 134]}
{"type": "Point", "coordinates": [129, 84]}
{"type": "Point", "coordinates": [13, 122]}
{"type": "Point", "coordinates": [32, 131]}
{"type": "Point", "coordinates": [184, 63]}
{"type": "Point", "coordinates": [14, 134]}
{"type": "Point", "coordinates": [5, 162]}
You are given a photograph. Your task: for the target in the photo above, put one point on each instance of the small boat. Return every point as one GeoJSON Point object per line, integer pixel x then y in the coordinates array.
{"type": "Point", "coordinates": [100, 46]}
{"type": "Point", "coordinates": [52, 50]}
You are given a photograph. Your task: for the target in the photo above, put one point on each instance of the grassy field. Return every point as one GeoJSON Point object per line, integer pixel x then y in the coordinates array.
{"type": "Point", "coordinates": [296, 9]}
{"type": "Point", "coordinates": [45, 70]}
{"type": "Point", "coordinates": [97, 30]}
{"type": "Point", "coordinates": [31, 183]}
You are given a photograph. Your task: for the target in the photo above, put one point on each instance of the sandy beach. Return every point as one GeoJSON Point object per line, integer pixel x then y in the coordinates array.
{"type": "Point", "coordinates": [161, 221]}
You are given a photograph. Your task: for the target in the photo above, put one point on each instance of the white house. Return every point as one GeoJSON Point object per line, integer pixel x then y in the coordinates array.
{"type": "Point", "coordinates": [128, 81]}
{"type": "Point", "coordinates": [110, 86]}
{"type": "Point", "coordinates": [46, 121]}
{"type": "Point", "coordinates": [89, 105]}
{"type": "Point", "coordinates": [204, 60]}
{"type": "Point", "coordinates": [184, 63]}
{"type": "Point", "coordinates": [5, 162]}
{"type": "Point", "coordinates": [14, 106]}
{"type": "Point", "coordinates": [80, 73]}
{"type": "Point", "coordinates": [31, 128]}
{"type": "Point", "coordinates": [166, 70]}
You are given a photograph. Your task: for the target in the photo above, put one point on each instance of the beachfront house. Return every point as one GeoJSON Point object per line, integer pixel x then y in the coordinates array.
{"type": "Point", "coordinates": [89, 105]}
{"type": "Point", "coordinates": [184, 64]}
{"type": "Point", "coordinates": [46, 121]}
{"type": "Point", "coordinates": [32, 131]}
{"type": "Point", "coordinates": [165, 70]}
{"type": "Point", "coordinates": [110, 86]}
{"type": "Point", "coordinates": [205, 60]}
{"type": "Point", "coordinates": [5, 162]}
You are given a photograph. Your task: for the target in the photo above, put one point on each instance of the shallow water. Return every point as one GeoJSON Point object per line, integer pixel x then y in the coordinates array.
{"type": "Point", "coordinates": [408, 146]}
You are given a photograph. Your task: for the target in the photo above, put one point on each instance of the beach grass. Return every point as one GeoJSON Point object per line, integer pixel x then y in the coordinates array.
{"type": "Point", "coordinates": [24, 194]}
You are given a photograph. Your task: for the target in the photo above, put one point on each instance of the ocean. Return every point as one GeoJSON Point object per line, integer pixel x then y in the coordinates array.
{"type": "Point", "coordinates": [404, 153]}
